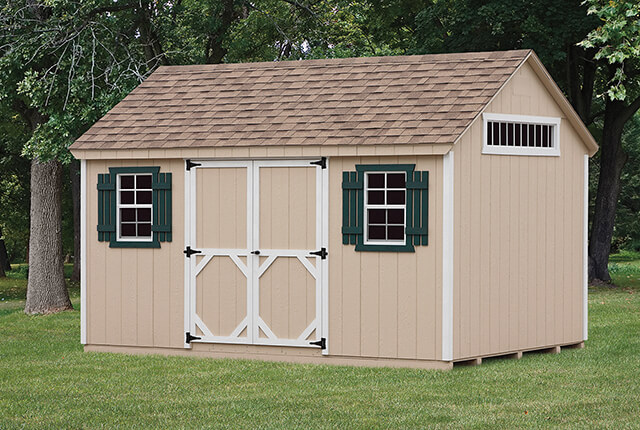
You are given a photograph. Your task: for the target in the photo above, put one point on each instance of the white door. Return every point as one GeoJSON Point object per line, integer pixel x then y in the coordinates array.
{"type": "Point", "coordinates": [256, 252]}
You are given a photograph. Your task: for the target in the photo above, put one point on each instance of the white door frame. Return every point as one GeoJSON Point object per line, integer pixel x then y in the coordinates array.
{"type": "Point", "coordinates": [253, 270]}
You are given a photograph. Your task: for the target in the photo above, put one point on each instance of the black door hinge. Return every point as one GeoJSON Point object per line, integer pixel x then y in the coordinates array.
{"type": "Point", "coordinates": [322, 253]}
{"type": "Point", "coordinates": [191, 164]}
{"type": "Point", "coordinates": [189, 252]}
{"type": "Point", "coordinates": [322, 343]}
{"type": "Point", "coordinates": [321, 162]}
{"type": "Point", "coordinates": [190, 337]}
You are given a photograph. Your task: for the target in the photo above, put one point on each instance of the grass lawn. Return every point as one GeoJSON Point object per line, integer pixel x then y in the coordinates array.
{"type": "Point", "coordinates": [47, 381]}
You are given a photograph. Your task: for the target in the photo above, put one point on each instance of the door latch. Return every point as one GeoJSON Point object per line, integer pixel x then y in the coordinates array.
{"type": "Point", "coordinates": [256, 252]}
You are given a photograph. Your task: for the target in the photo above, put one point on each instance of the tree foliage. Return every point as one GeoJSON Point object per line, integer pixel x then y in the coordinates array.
{"type": "Point", "coordinates": [617, 41]}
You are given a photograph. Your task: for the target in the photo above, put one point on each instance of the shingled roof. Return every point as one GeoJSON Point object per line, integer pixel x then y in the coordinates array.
{"type": "Point", "coordinates": [419, 99]}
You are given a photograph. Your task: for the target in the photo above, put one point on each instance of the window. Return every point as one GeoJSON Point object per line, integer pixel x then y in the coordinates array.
{"type": "Point", "coordinates": [385, 207]}
{"type": "Point", "coordinates": [134, 207]}
{"type": "Point", "coordinates": [521, 135]}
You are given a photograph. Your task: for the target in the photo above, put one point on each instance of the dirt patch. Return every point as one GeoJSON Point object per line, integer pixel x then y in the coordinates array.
{"type": "Point", "coordinates": [599, 283]}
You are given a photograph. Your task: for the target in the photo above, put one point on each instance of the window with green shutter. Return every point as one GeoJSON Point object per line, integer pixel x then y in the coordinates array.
{"type": "Point", "coordinates": [385, 207]}
{"type": "Point", "coordinates": [134, 207]}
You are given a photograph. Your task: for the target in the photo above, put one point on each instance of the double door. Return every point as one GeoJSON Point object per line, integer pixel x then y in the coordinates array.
{"type": "Point", "coordinates": [256, 246]}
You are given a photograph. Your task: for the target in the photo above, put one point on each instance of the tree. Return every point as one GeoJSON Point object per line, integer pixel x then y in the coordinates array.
{"type": "Point", "coordinates": [58, 72]}
{"type": "Point", "coordinates": [626, 233]}
{"type": "Point", "coordinates": [617, 41]}
{"type": "Point", "coordinates": [14, 189]}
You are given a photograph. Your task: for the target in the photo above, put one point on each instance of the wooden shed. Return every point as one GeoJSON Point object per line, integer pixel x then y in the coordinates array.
{"type": "Point", "coordinates": [396, 211]}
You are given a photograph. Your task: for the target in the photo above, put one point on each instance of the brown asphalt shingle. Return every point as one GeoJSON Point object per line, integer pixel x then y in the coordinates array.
{"type": "Point", "coordinates": [353, 101]}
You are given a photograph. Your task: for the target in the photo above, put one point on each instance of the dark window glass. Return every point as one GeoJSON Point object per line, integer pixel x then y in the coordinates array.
{"type": "Point", "coordinates": [496, 133]}
{"type": "Point", "coordinates": [532, 135]}
{"type": "Point", "coordinates": [376, 197]}
{"type": "Point", "coordinates": [376, 180]}
{"type": "Point", "coordinates": [377, 216]}
{"type": "Point", "coordinates": [144, 214]}
{"type": "Point", "coordinates": [395, 180]}
{"type": "Point", "coordinates": [518, 140]}
{"type": "Point", "coordinates": [143, 197]}
{"type": "Point", "coordinates": [126, 182]}
{"type": "Point", "coordinates": [144, 230]}
{"type": "Point", "coordinates": [127, 214]}
{"type": "Point", "coordinates": [127, 230]}
{"type": "Point", "coordinates": [377, 232]}
{"type": "Point", "coordinates": [395, 216]}
{"type": "Point", "coordinates": [126, 197]}
{"type": "Point", "coordinates": [395, 197]}
{"type": "Point", "coordinates": [503, 133]}
{"type": "Point", "coordinates": [545, 136]}
{"type": "Point", "coordinates": [510, 137]}
{"type": "Point", "coordinates": [143, 181]}
{"type": "Point", "coordinates": [395, 232]}
{"type": "Point", "coordinates": [538, 135]}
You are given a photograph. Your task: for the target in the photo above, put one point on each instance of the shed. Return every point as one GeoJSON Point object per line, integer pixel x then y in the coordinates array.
{"type": "Point", "coordinates": [396, 211]}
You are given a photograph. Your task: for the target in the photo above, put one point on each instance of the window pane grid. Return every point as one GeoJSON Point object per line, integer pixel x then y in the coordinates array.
{"type": "Point", "coordinates": [520, 134]}
{"type": "Point", "coordinates": [385, 199]}
{"type": "Point", "coordinates": [135, 206]}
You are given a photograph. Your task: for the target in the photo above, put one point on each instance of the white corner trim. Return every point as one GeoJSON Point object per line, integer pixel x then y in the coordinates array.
{"type": "Point", "coordinates": [447, 256]}
{"type": "Point", "coordinates": [585, 252]}
{"type": "Point", "coordinates": [83, 252]}
{"type": "Point", "coordinates": [187, 262]}
{"type": "Point", "coordinates": [520, 150]}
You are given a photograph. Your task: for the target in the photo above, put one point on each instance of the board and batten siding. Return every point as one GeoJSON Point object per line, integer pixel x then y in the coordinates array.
{"type": "Point", "coordinates": [135, 295]}
{"type": "Point", "coordinates": [385, 304]}
{"type": "Point", "coordinates": [518, 240]}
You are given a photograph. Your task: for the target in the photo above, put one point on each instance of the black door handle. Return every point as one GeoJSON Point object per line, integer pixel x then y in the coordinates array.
{"type": "Point", "coordinates": [256, 252]}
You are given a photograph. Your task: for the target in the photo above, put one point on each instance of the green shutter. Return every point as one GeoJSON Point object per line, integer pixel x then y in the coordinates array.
{"type": "Point", "coordinates": [352, 206]}
{"type": "Point", "coordinates": [162, 207]}
{"type": "Point", "coordinates": [106, 208]}
{"type": "Point", "coordinates": [418, 209]}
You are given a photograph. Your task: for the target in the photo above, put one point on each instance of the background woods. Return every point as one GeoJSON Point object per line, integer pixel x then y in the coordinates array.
{"type": "Point", "coordinates": [64, 64]}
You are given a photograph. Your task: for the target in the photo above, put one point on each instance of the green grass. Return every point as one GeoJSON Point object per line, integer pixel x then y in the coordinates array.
{"type": "Point", "coordinates": [47, 381]}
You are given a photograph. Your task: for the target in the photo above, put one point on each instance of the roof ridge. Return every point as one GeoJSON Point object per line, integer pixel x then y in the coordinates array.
{"type": "Point", "coordinates": [465, 57]}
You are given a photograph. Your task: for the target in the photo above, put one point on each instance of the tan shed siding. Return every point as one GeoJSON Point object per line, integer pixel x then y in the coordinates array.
{"type": "Point", "coordinates": [385, 304]}
{"type": "Point", "coordinates": [518, 236]}
{"type": "Point", "coordinates": [135, 296]}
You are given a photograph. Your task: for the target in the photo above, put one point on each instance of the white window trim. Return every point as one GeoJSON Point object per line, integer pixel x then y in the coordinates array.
{"type": "Point", "coordinates": [367, 206]}
{"type": "Point", "coordinates": [520, 150]}
{"type": "Point", "coordinates": [119, 206]}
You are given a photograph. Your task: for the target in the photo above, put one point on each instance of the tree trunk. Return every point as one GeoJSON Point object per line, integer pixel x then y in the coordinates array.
{"type": "Point", "coordinates": [4, 259]}
{"type": "Point", "coordinates": [612, 161]}
{"type": "Point", "coordinates": [5, 265]}
{"type": "Point", "coordinates": [74, 170]}
{"type": "Point", "coordinates": [46, 289]}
